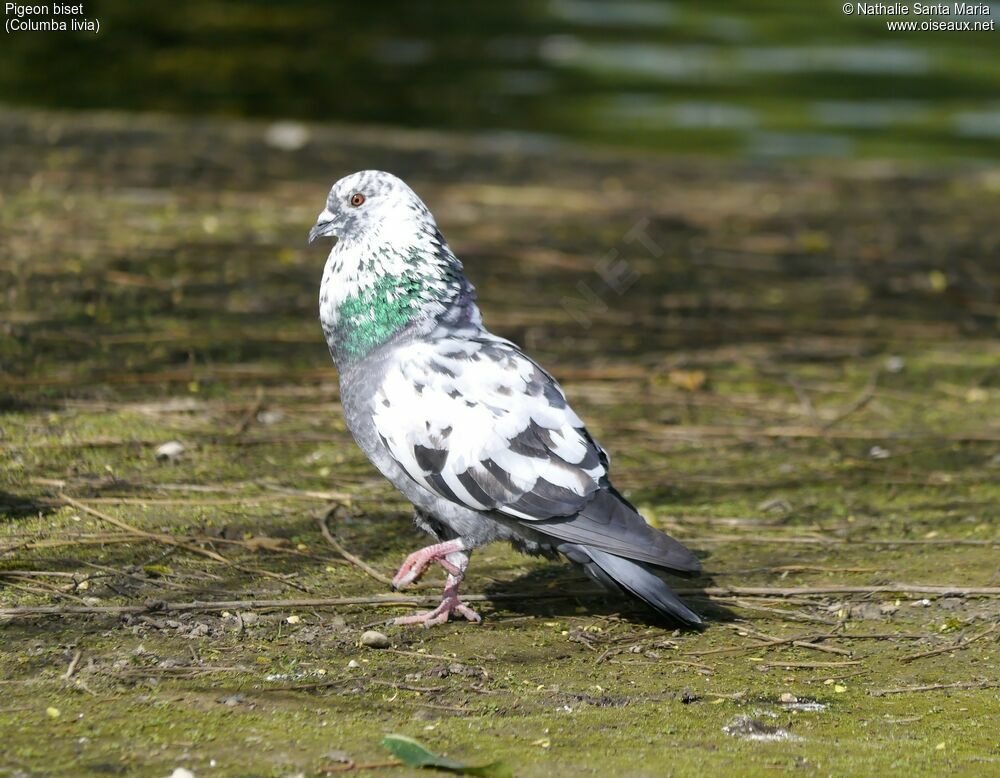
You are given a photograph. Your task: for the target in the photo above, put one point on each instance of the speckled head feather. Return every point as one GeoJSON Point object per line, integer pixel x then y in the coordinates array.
{"type": "Point", "coordinates": [390, 269]}
{"type": "Point", "coordinates": [384, 199]}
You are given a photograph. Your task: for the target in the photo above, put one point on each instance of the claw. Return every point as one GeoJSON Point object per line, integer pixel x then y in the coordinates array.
{"type": "Point", "coordinates": [449, 605]}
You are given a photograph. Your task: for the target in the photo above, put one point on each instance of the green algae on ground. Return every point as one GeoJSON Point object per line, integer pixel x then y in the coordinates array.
{"type": "Point", "coordinates": [845, 434]}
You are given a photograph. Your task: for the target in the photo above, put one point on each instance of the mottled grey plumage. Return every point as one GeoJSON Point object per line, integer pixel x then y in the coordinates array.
{"type": "Point", "coordinates": [476, 435]}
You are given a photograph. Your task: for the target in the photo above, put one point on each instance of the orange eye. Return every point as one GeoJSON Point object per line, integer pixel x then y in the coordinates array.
{"type": "Point", "coordinates": [357, 198]}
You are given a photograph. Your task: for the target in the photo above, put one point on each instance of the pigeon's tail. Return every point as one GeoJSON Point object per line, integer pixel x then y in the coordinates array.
{"type": "Point", "coordinates": [616, 573]}
{"type": "Point", "coordinates": [611, 523]}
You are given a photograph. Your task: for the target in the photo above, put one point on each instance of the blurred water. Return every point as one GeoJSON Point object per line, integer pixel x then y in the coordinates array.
{"type": "Point", "coordinates": [758, 77]}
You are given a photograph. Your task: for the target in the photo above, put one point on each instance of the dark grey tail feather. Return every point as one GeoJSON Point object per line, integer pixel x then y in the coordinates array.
{"type": "Point", "coordinates": [610, 522]}
{"type": "Point", "coordinates": [614, 572]}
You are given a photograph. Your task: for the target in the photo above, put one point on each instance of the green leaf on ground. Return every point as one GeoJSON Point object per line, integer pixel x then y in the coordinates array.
{"type": "Point", "coordinates": [415, 754]}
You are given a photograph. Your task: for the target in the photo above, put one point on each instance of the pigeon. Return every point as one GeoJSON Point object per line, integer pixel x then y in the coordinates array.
{"type": "Point", "coordinates": [477, 436]}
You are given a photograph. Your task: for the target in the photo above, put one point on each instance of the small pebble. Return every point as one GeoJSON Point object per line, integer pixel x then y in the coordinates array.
{"type": "Point", "coordinates": [788, 698]}
{"type": "Point", "coordinates": [287, 136]}
{"type": "Point", "coordinates": [169, 451]}
{"type": "Point", "coordinates": [270, 417]}
{"type": "Point", "coordinates": [374, 639]}
{"type": "Point", "coordinates": [895, 364]}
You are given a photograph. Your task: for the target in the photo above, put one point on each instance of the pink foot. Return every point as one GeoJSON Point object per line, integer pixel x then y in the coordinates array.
{"type": "Point", "coordinates": [441, 614]}
{"type": "Point", "coordinates": [417, 562]}
{"type": "Point", "coordinates": [455, 563]}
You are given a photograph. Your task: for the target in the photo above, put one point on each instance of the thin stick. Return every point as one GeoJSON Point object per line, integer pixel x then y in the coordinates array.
{"type": "Point", "coordinates": [358, 562]}
{"type": "Point", "coordinates": [711, 592]}
{"type": "Point", "coordinates": [35, 574]}
{"type": "Point", "coordinates": [250, 499]}
{"type": "Point", "coordinates": [402, 652]}
{"type": "Point", "coordinates": [862, 400]}
{"type": "Point", "coordinates": [219, 605]}
{"type": "Point", "coordinates": [737, 649]}
{"type": "Point", "coordinates": [352, 765]}
{"type": "Point", "coordinates": [935, 686]}
{"type": "Point", "coordinates": [802, 396]}
{"type": "Point", "coordinates": [159, 538]}
{"type": "Point", "coordinates": [899, 588]}
{"type": "Point", "coordinates": [684, 663]}
{"type": "Point", "coordinates": [170, 541]}
{"type": "Point", "coordinates": [806, 665]}
{"type": "Point", "coordinates": [435, 706]}
{"type": "Point", "coordinates": [796, 540]}
{"type": "Point", "coordinates": [785, 614]}
{"type": "Point", "coordinates": [942, 590]}
{"type": "Point", "coordinates": [247, 419]}
{"type": "Point", "coordinates": [72, 666]}
{"type": "Point", "coordinates": [114, 571]}
{"type": "Point", "coordinates": [821, 647]}
{"type": "Point", "coordinates": [821, 569]}
{"type": "Point", "coordinates": [946, 649]}
{"type": "Point", "coordinates": [307, 493]}
{"type": "Point", "coordinates": [48, 591]}
{"type": "Point", "coordinates": [802, 641]}
{"type": "Point", "coordinates": [83, 540]}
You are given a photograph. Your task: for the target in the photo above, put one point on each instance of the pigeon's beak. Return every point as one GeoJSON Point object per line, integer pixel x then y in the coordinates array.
{"type": "Point", "coordinates": [324, 226]}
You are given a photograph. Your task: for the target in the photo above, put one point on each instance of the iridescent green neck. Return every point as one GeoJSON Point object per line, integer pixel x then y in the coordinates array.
{"type": "Point", "coordinates": [370, 316]}
{"type": "Point", "coordinates": [371, 293]}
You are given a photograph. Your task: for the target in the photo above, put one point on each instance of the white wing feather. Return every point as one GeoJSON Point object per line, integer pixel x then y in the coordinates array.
{"type": "Point", "coordinates": [478, 422]}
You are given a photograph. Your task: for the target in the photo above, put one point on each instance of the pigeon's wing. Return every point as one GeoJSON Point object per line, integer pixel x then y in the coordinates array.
{"type": "Point", "coordinates": [482, 425]}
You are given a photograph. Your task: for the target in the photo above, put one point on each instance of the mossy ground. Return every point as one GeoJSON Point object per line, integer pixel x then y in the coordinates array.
{"type": "Point", "coordinates": [804, 361]}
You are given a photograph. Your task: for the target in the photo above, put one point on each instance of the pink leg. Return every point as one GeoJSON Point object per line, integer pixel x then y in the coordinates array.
{"type": "Point", "coordinates": [417, 562]}
{"type": "Point", "coordinates": [455, 564]}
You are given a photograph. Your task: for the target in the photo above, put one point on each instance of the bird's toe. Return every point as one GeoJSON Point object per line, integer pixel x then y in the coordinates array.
{"type": "Point", "coordinates": [464, 610]}
{"type": "Point", "coordinates": [440, 615]}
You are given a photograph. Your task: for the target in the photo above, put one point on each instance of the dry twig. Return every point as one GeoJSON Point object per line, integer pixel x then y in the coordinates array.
{"type": "Point", "coordinates": [860, 402]}
{"type": "Point", "coordinates": [947, 649]}
{"type": "Point", "coordinates": [806, 665]}
{"type": "Point", "coordinates": [935, 687]}
{"type": "Point", "coordinates": [357, 561]}
{"type": "Point", "coordinates": [404, 600]}
{"type": "Point", "coordinates": [172, 541]}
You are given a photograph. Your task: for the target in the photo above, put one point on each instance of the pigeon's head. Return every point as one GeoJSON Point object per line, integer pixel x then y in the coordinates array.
{"type": "Point", "coordinates": [367, 201]}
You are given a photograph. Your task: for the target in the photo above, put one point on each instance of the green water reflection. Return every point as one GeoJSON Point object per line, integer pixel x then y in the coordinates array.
{"type": "Point", "coordinates": [760, 77]}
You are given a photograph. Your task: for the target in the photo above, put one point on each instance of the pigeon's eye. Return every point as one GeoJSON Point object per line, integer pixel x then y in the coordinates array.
{"type": "Point", "coordinates": [357, 198]}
